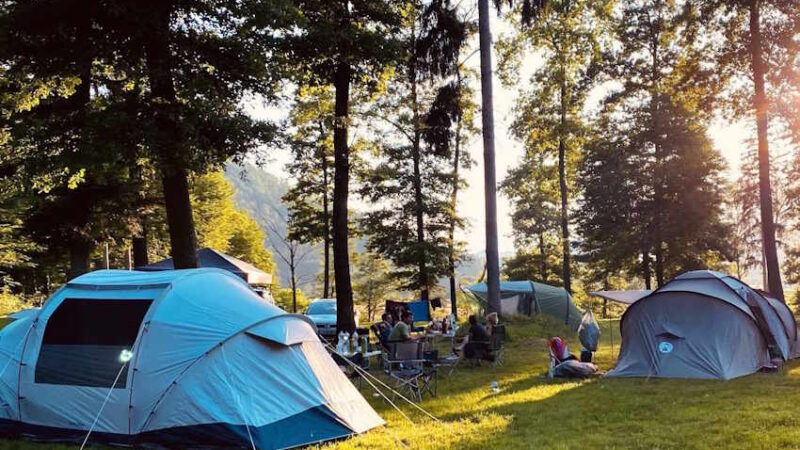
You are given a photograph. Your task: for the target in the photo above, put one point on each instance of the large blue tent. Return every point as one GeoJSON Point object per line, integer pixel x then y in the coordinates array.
{"type": "Point", "coordinates": [184, 358]}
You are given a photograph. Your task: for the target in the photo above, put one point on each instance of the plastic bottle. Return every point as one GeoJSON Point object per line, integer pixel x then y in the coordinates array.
{"type": "Point", "coordinates": [365, 343]}
{"type": "Point", "coordinates": [356, 342]}
{"type": "Point", "coordinates": [340, 343]}
{"type": "Point", "coordinates": [346, 342]}
{"type": "Point", "coordinates": [495, 387]}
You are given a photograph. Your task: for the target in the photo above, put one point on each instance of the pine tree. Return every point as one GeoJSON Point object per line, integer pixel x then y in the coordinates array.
{"type": "Point", "coordinates": [665, 68]}
{"type": "Point", "coordinates": [548, 118]}
{"type": "Point", "coordinates": [309, 199]}
{"type": "Point", "coordinates": [421, 107]}
{"type": "Point", "coordinates": [760, 50]}
{"type": "Point", "coordinates": [340, 43]}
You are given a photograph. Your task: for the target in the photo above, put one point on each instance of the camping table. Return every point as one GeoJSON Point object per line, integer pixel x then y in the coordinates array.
{"type": "Point", "coordinates": [366, 355]}
{"type": "Point", "coordinates": [432, 338]}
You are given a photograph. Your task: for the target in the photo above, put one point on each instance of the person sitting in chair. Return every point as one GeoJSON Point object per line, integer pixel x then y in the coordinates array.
{"type": "Point", "coordinates": [491, 321]}
{"type": "Point", "coordinates": [477, 333]}
{"type": "Point", "coordinates": [401, 332]}
{"type": "Point", "coordinates": [383, 329]}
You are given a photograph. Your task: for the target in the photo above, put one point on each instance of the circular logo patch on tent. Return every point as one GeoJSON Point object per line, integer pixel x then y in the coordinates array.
{"type": "Point", "coordinates": [665, 347]}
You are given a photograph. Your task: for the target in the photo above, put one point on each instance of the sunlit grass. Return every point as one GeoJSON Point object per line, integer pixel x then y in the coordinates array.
{"type": "Point", "coordinates": [530, 411]}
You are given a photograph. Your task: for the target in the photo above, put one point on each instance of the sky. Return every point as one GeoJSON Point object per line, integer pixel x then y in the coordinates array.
{"type": "Point", "coordinates": [729, 138]}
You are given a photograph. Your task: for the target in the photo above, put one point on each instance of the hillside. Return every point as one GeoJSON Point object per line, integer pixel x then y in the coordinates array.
{"type": "Point", "coordinates": [259, 193]}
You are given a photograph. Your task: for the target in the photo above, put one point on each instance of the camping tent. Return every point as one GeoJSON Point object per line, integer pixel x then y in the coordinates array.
{"type": "Point", "coordinates": [704, 324]}
{"type": "Point", "coordinates": [177, 366]}
{"type": "Point", "coordinates": [530, 298]}
{"type": "Point", "coordinates": [208, 257]}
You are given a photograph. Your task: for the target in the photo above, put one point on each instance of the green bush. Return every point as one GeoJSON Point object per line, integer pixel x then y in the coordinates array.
{"type": "Point", "coordinates": [10, 303]}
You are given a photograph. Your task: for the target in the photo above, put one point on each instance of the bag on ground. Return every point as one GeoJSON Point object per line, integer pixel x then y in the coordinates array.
{"type": "Point", "coordinates": [589, 331]}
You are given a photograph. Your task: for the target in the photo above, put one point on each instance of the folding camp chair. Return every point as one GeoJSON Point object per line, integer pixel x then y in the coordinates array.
{"type": "Point", "coordinates": [491, 350]}
{"type": "Point", "coordinates": [383, 345]}
{"type": "Point", "coordinates": [406, 366]}
{"type": "Point", "coordinates": [496, 341]}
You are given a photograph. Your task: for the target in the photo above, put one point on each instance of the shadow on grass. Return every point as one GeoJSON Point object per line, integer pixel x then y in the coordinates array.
{"type": "Point", "coordinates": [757, 411]}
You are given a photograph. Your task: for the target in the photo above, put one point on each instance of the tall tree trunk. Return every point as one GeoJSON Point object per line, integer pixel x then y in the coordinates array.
{"type": "Point", "coordinates": [140, 250]}
{"type": "Point", "coordinates": [454, 205]}
{"type": "Point", "coordinates": [80, 245]}
{"type": "Point", "coordinates": [646, 270]}
{"type": "Point", "coordinates": [562, 183]}
{"type": "Point", "coordinates": [489, 180]}
{"type": "Point", "coordinates": [341, 180]}
{"type": "Point", "coordinates": [80, 251]}
{"type": "Point", "coordinates": [416, 156]}
{"type": "Point", "coordinates": [658, 176]}
{"type": "Point", "coordinates": [326, 237]}
{"type": "Point", "coordinates": [543, 257]}
{"type": "Point", "coordinates": [659, 203]}
{"type": "Point", "coordinates": [139, 244]}
{"type": "Point", "coordinates": [293, 281]}
{"type": "Point", "coordinates": [169, 142]}
{"type": "Point", "coordinates": [775, 287]}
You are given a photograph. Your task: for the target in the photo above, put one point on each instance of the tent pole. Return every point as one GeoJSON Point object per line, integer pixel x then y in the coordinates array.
{"type": "Point", "coordinates": [611, 335]}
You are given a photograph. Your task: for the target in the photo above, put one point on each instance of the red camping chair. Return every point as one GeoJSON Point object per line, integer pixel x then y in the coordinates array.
{"type": "Point", "coordinates": [565, 365]}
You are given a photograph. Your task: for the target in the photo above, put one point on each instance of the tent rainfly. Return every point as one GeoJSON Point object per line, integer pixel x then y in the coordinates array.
{"type": "Point", "coordinates": [624, 297]}
{"type": "Point", "coordinates": [530, 298]}
{"type": "Point", "coordinates": [704, 324]}
{"type": "Point", "coordinates": [208, 257]}
{"type": "Point", "coordinates": [155, 359]}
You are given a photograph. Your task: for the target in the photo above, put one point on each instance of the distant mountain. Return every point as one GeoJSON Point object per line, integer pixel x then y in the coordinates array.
{"type": "Point", "coordinates": [259, 193]}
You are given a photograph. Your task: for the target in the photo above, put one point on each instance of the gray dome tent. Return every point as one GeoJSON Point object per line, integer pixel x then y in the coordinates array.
{"type": "Point", "coordinates": [704, 324]}
{"type": "Point", "coordinates": [529, 298]}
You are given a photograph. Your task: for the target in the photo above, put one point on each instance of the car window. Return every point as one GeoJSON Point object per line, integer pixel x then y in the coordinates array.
{"type": "Point", "coordinates": [322, 308]}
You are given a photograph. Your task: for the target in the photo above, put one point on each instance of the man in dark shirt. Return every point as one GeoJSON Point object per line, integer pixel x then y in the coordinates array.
{"type": "Point", "coordinates": [477, 333]}
{"type": "Point", "coordinates": [385, 327]}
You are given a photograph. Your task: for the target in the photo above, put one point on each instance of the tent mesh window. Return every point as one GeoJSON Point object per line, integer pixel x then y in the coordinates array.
{"type": "Point", "coordinates": [85, 342]}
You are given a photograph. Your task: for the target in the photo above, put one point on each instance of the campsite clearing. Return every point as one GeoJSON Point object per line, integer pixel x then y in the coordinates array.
{"type": "Point", "coordinates": [757, 411]}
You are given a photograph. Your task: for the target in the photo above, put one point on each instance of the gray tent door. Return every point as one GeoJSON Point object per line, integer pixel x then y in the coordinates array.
{"type": "Point", "coordinates": [688, 335]}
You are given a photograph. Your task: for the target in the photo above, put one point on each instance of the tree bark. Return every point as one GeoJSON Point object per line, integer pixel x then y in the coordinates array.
{"type": "Point", "coordinates": [80, 251]}
{"type": "Point", "coordinates": [80, 201]}
{"type": "Point", "coordinates": [326, 238]}
{"type": "Point", "coordinates": [658, 156]}
{"type": "Point", "coordinates": [169, 142]}
{"type": "Point", "coordinates": [454, 206]}
{"type": "Point", "coordinates": [775, 287]}
{"type": "Point", "coordinates": [562, 183]}
{"type": "Point", "coordinates": [293, 281]}
{"type": "Point", "coordinates": [341, 180]}
{"type": "Point", "coordinates": [489, 179]}
{"type": "Point", "coordinates": [416, 157]}
{"type": "Point", "coordinates": [543, 257]}
{"type": "Point", "coordinates": [646, 269]}
{"type": "Point", "coordinates": [140, 251]}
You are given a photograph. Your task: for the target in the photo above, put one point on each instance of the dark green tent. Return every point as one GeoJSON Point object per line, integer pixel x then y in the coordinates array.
{"type": "Point", "coordinates": [529, 298]}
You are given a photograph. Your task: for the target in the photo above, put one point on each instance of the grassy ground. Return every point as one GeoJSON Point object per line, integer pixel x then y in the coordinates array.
{"type": "Point", "coordinates": [754, 412]}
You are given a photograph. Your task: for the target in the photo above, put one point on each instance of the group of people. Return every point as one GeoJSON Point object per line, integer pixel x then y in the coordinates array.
{"type": "Point", "coordinates": [391, 330]}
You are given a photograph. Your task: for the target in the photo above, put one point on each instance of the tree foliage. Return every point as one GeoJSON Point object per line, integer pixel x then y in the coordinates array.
{"type": "Point", "coordinates": [411, 184]}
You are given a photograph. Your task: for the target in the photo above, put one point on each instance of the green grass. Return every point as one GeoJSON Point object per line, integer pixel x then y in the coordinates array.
{"type": "Point", "coordinates": [754, 412]}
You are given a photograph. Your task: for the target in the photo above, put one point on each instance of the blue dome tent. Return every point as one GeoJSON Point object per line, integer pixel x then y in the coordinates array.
{"type": "Point", "coordinates": [183, 358]}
